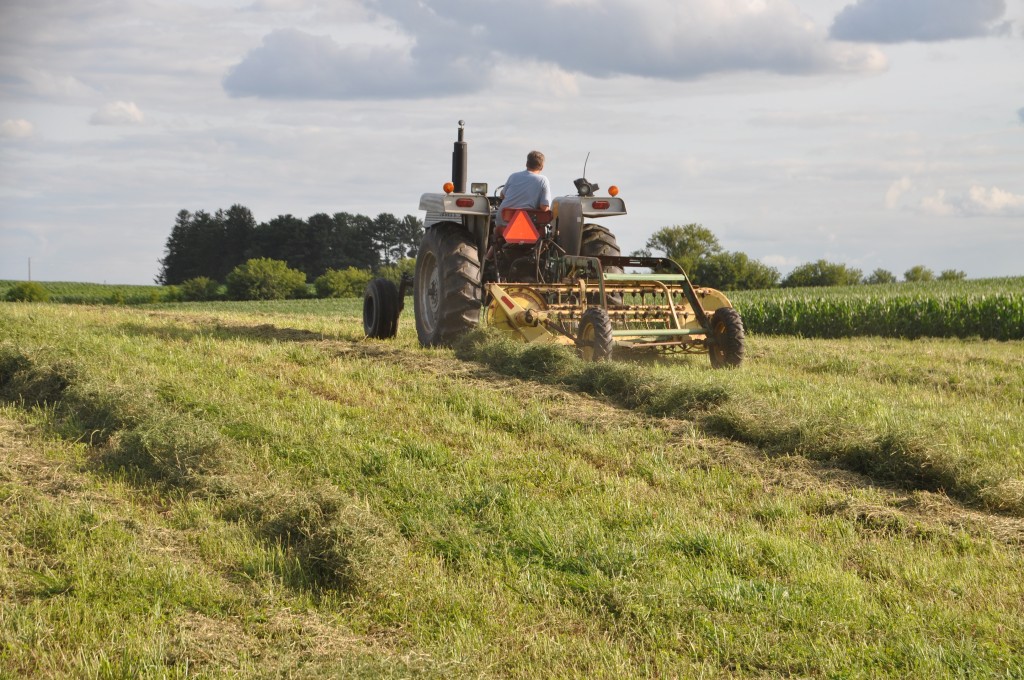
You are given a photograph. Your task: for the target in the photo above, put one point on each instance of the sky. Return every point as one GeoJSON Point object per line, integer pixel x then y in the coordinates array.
{"type": "Point", "coordinates": [876, 133]}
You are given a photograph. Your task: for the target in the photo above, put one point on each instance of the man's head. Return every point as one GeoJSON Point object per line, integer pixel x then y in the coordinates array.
{"type": "Point", "coordinates": [535, 160]}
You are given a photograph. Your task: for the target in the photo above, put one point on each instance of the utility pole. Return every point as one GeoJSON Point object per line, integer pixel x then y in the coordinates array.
{"type": "Point", "coordinates": [30, 269]}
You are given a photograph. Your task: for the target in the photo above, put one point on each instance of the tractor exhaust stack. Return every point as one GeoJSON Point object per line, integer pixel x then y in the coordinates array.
{"type": "Point", "coordinates": [460, 161]}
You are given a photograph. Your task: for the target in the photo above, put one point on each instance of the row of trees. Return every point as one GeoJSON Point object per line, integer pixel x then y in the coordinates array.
{"type": "Point", "coordinates": [211, 246]}
{"type": "Point", "coordinates": [697, 249]}
{"type": "Point", "coordinates": [268, 279]}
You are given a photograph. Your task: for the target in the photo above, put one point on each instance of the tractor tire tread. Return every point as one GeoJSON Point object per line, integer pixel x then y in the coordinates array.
{"type": "Point", "coordinates": [728, 338]}
{"type": "Point", "coordinates": [454, 251]}
{"type": "Point", "coordinates": [604, 342]}
{"type": "Point", "coordinates": [381, 307]}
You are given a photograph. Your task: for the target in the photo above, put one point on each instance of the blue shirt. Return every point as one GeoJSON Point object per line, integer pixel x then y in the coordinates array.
{"type": "Point", "coordinates": [525, 189]}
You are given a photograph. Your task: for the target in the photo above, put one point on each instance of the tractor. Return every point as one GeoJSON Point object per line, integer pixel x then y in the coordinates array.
{"type": "Point", "coordinates": [548, 277]}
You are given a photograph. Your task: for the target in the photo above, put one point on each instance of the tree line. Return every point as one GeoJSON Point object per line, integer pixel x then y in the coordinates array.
{"type": "Point", "coordinates": [698, 251]}
{"type": "Point", "coordinates": [212, 245]}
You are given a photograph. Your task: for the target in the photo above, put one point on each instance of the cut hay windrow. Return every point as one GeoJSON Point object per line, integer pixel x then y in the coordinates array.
{"type": "Point", "coordinates": [898, 454]}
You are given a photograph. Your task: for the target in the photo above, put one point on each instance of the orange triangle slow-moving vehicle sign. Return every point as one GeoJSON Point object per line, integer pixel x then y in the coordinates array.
{"type": "Point", "coordinates": [520, 229]}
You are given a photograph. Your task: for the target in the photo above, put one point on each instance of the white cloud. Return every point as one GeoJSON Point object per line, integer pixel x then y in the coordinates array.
{"type": "Point", "coordinates": [977, 202]}
{"type": "Point", "coordinates": [995, 201]}
{"type": "Point", "coordinates": [50, 85]}
{"type": "Point", "coordinates": [16, 129]}
{"type": "Point", "coordinates": [292, 64]}
{"type": "Point", "coordinates": [896, 191]}
{"type": "Point", "coordinates": [117, 113]}
{"type": "Point", "coordinates": [937, 205]}
{"type": "Point", "coordinates": [279, 6]}
{"type": "Point", "coordinates": [813, 119]}
{"type": "Point", "coordinates": [438, 52]}
{"type": "Point", "coordinates": [781, 262]}
{"type": "Point", "coordinates": [885, 21]}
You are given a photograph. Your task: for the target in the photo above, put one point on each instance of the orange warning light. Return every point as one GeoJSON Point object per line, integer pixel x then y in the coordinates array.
{"type": "Point", "coordinates": [613, 190]}
{"type": "Point", "coordinates": [520, 229]}
{"type": "Point", "coordinates": [448, 187]}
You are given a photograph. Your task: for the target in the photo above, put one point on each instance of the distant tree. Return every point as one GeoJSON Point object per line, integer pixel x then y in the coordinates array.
{"type": "Point", "coordinates": [27, 291]}
{"type": "Point", "coordinates": [353, 242]}
{"type": "Point", "coordinates": [283, 238]}
{"type": "Point", "coordinates": [207, 252]}
{"type": "Point", "coordinates": [320, 244]}
{"type": "Point", "coordinates": [822, 273]}
{"type": "Point", "coordinates": [396, 238]}
{"type": "Point", "coordinates": [181, 257]}
{"type": "Point", "coordinates": [734, 271]}
{"type": "Point", "coordinates": [918, 273]}
{"type": "Point", "coordinates": [265, 279]}
{"type": "Point", "coordinates": [385, 233]}
{"type": "Point", "coordinates": [881, 276]}
{"type": "Point", "coordinates": [239, 227]}
{"type": "Point", "coordinates": [952, 275]}
{"type": "Point", "coordinates": [199, 289]}
{"type": "Point", "coordinates": [394, 272]}
{"type": "Point", "coordinates": [686, 244]}
{"type": "Point", "coordinates": [350, 282]}
{"type": "Point", "coordinates": [211, 246]}
{"type": "Point", "coordinates": [410, 233]}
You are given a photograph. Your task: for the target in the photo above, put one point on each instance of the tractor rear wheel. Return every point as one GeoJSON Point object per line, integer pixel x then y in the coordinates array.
{"type": "Point", "coordinates": [381, 306]}
{"type": "Point", "coordinates": [594, 335]}
{"type": "Point", "coordinates": [597, 241]}
{"type": "Point", "coordinates": [727, 341]}
{"type": "Point", "coordinates": [446, 288]}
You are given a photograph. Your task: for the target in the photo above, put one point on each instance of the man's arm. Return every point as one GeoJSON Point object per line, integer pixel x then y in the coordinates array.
{"type": "Point", "coordinates": [545, 197]}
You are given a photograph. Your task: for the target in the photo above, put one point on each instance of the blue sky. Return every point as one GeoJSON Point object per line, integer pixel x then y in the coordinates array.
{"type": "Point", "coordinates": [870, 132]}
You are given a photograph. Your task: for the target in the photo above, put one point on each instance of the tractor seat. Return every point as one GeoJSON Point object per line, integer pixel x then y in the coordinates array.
{"type": "Point", "coordinates": [538, 216]}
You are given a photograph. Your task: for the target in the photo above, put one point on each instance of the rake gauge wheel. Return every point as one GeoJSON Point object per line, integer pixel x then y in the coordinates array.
{"type": "Point", "coordinates": [727, 340]}
{"type": "Point", "coordinates": [594, 336]}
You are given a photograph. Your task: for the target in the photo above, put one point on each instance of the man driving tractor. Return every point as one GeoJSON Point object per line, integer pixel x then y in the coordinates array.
{"type": "Point", "coordinates": [527, 188]}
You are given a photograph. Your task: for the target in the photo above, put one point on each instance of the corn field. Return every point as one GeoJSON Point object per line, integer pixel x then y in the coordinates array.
{"type": "Point", "coordinates": [985, 308]}
{"type": "Point", "coordinates": [982, 308]}
{"type": "Point", "coordinates": [70, 292]}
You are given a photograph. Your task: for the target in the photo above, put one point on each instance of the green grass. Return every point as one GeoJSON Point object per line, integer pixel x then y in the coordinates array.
{"type": "Point", "coordinates": [254, 490]}
{"type": "Point", "coordinates": [984, 308]}
{"type": "Point", "coordinates": [935, 415]}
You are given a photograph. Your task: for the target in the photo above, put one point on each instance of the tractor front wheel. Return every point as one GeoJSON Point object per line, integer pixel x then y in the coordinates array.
{"type": "Point", "coordinates": [381, 306]}
{"type": "Point", "coordinates": [594, 335]}
{"type": "Point", "coordinates": [727, 340]}
{"type": "Point", "coordinates": [446, 288]}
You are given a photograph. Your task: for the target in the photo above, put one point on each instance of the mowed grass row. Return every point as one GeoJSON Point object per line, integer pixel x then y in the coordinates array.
{"type": "Point", "coordinates": [256, 491]}
{"type": "Point", "coordinates": [938, 415]}
{"type": "Point", "coordinates": [985, 308]}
